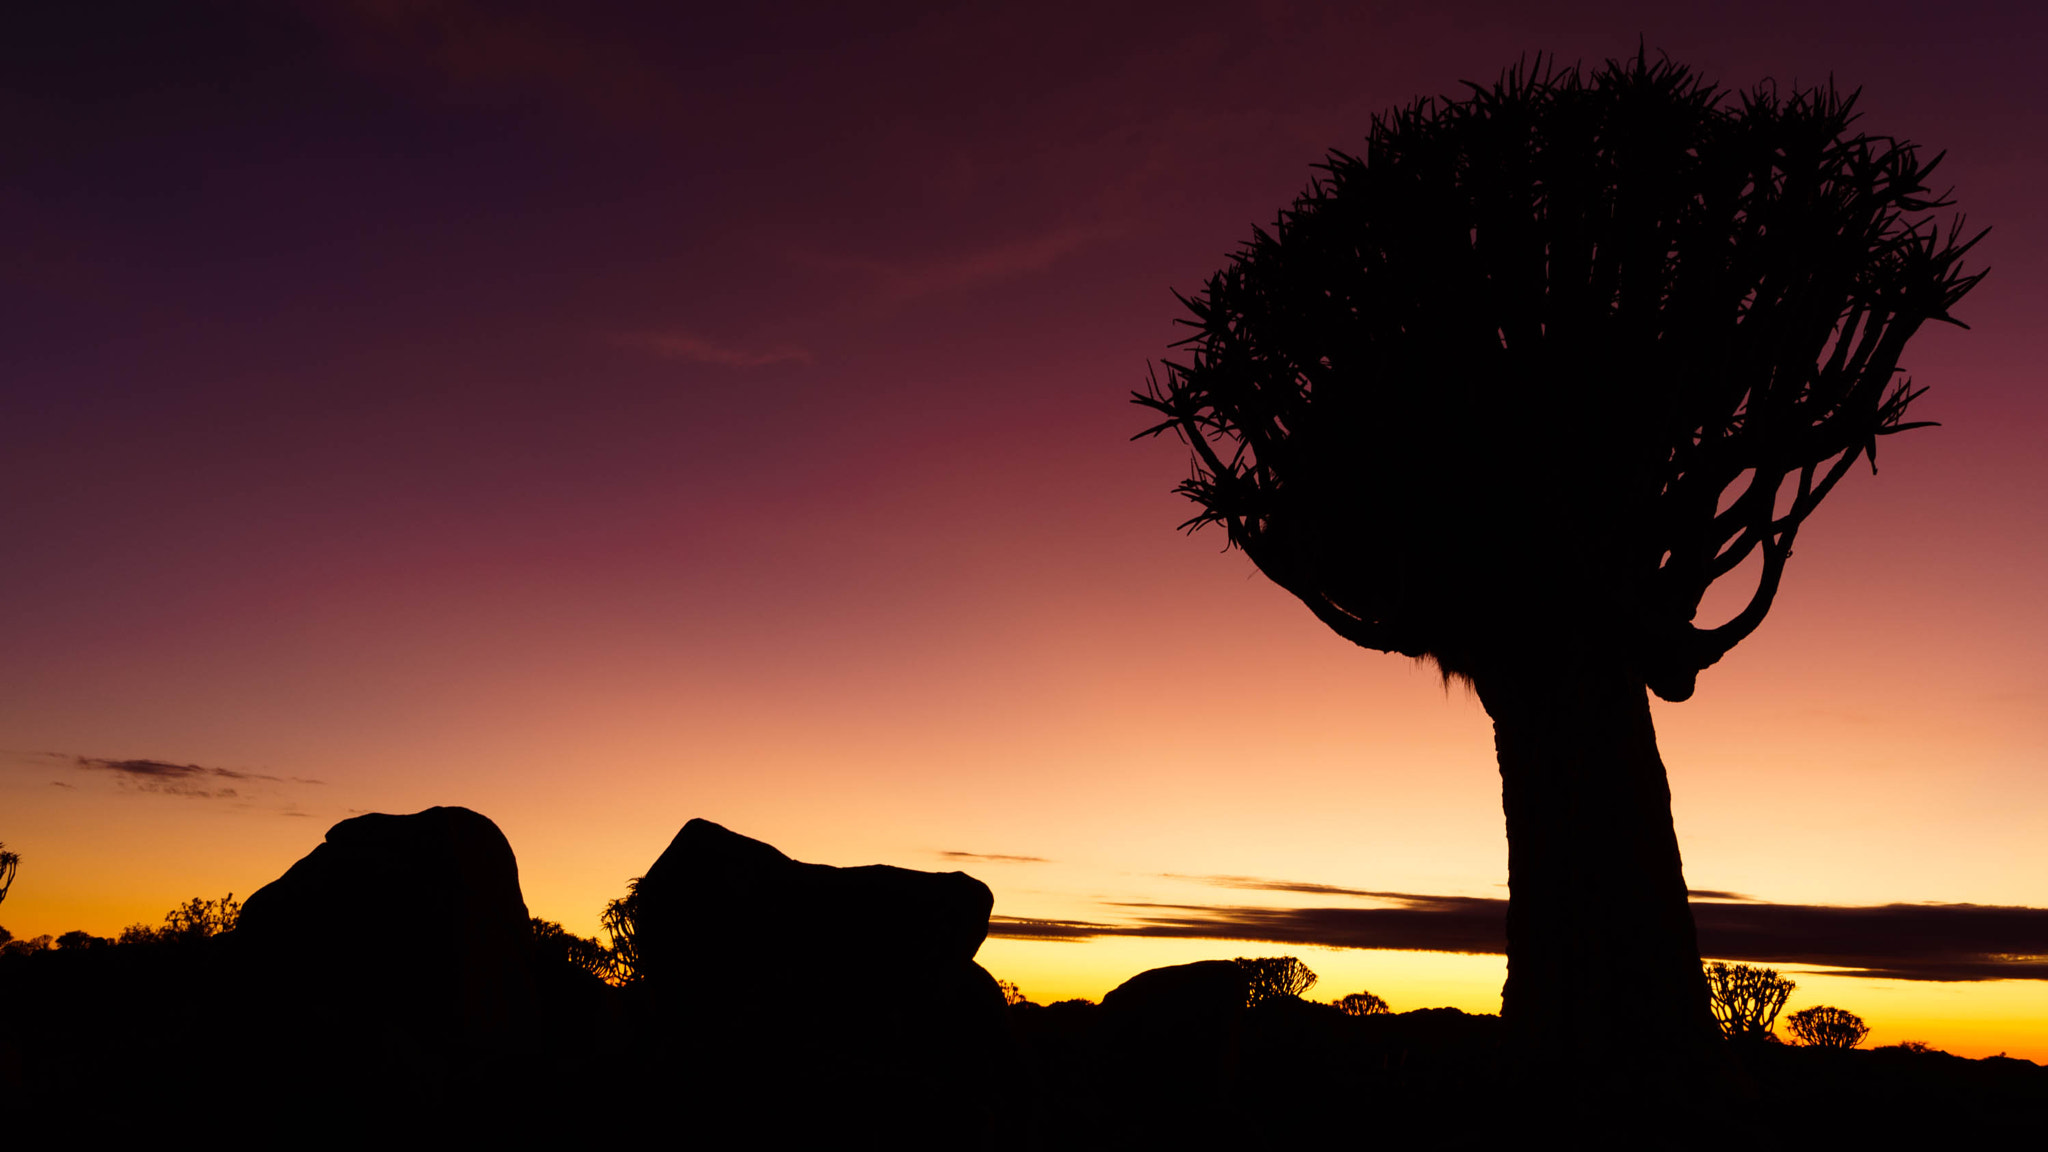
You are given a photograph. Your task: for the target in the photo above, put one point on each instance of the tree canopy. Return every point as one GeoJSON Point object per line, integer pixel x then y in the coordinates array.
{"type": "Point", "coordinates": [1553, 358]}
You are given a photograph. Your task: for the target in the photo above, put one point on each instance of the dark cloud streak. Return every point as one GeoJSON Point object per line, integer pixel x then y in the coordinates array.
{"type": "Point", "coordinates": [995, 858]}
{"type": "Point", "coordinates": [192, 781]}
{"type": "Point", "coordinates": [1945, 942]}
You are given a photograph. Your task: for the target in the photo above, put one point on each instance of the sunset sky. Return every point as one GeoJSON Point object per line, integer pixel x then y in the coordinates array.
{"type": "Point", "coordinates": [605, 415]}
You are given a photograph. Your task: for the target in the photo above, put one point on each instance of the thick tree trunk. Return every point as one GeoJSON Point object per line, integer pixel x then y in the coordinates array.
{"type": "Point", "coordinates": [1604, 983]}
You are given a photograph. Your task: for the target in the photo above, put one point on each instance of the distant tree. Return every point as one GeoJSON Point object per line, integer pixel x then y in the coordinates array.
{"type": "Point", "coordinates": [554, 944]}
{"type": "Point", "coordinates": [620, 919]}
{"type": "Point", "coordinates": [195, 919]}
{"type": "Point", "coordinates": [1917, 1047]}
{"type": "Point", "coordinates": [79, 940]}
{"type": "Point", "coordinates": [1825, 1027]}
{"type": "Point", "coordinates": [26, 947]}
{"type": "Point", "coordinates": [1012, 996]}
{"type": "Point", "coordinates": [1275, 978]}
{"type": "Point", "coordinates": [1746, 1001]}
{"type": "Point", "coordinates": [9, 863]}
{"type": "Point", "coordinates": [1510, 390]}
{"type": "Point", "coordinates": [198, 919]}
{"type": "Point", "coordinates": [137, 935]}
{"type": "Point", "coordinates": [5, 936]}
{"type": "Point", "coordinates": [1362, 1004]}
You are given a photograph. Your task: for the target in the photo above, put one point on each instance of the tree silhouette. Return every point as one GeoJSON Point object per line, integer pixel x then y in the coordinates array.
{"type": "Point", "coordinates": [1274, 978]}
{"type": "Point", "coordinates": [1362, 1004]}
{"type": "Point", "coordinates": [197, 919]}
{"type": "Point", "coordinates": [1511, 389]}
{"type": "Point", "coordinates": [1745, 1000]}
{"type": "Point", "coordinates": [556, 945]}
{"type": "Point", "coordinates": [621, 920]}
{"type": "Point", "coordinates": [1825, 1027]}
{"type": "Point", "coordinates": [10, 862]}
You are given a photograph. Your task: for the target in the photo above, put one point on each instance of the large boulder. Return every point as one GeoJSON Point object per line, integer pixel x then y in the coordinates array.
{"type": "Point", "coordinates": [413, 924]}
{"type": "Point", "coordinates": [1173, 1037]}
{"type": "Point", "coordinates": [823, 1000]}
{"type": "Point", "coordinates": [714, 891]}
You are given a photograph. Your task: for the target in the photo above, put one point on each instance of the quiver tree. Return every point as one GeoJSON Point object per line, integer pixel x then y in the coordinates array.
{"type": "Point", "coordinates": [1745, 1000]}
{"type": "Point", "coordinates": [1825, 1027]}
{"type": "Point", "coordinates": [1274, 978]}
{"type": "Point", "coordinates": [1510, 389]}
{"type": "Point", "coordinates": [9, 862]}
{"type": "Point", "coordinates": [1362, 1004]}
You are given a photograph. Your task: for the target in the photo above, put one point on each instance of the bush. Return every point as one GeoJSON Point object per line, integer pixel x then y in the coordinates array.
{"type": "Point", "coordinates": [1012, 995]}
{"type": "Point", "coordinates": [25, 947]}
{"type": "Point", "coordinates": [554, 944]}
{"type": "Point", "coordinates": [1825, 1027]}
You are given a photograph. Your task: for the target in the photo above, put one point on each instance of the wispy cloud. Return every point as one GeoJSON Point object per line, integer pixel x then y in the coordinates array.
{"type": "Point", "coordinates": [676, 345]}
{"type": "Point", "coordinates": [895, 281]}
{"type": "Point", "coordinates": [995, 858]}
{"type": "Point", "coordinates": [169, 778]}
{"type": "Point", "coordinates": [1899, 941]}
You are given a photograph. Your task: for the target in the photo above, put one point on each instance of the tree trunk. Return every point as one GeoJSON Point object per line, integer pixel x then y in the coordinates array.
{"type": "Point", "coordinates": [1604, 983]}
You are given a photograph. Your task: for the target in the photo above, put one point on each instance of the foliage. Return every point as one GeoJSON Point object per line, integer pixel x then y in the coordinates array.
{"type": "Point", "coordinates": [1012, 995]}
{"type": "Point", "coordinates": [1746, 1000]}
{"type": "Point", "coordinates": [1362, 1004]}
{"type": "Point", "coordinates": [196, 919]}
{"type": "Point", "coordinates": [5, 936]}
{"type": "Point", "coordinates": [1580, 330]}
{"type": "Point", "coordinates": [620, 918]}
{"type": "Point", "coordinates": [79, 940]}
{"type": "Point", "coordinates": [25, 947]}
{"type": "Point", "coordinates": [10, 862]}
{"type": "Point", "coordinates": [553, 944]}
{"type": "Point", "coordinates": [1275, 978]}
{"type": "Point", "coordinates": [1824, 1027]}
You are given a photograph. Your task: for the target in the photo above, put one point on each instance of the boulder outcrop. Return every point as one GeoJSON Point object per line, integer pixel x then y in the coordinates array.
{"type": "Point", "coordinates": [821, 999]}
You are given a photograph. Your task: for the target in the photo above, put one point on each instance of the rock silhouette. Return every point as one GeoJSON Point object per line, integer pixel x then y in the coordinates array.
{"type": "Point", "coordinates": [442, 881]}
{"type": "Point", "coordinates": [391, 968]}
{"type": "Point", "coordinates": [814, 999]}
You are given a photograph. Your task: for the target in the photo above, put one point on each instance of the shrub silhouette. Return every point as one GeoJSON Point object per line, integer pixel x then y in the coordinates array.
{"type": "Point", "coordinates": [1746, 1000]}
{"type": "Point", "coordinates": [620, 922]}
{"type": "Point", "coordinates": [194, 920]}
{"type": "Point", "coordinates": [1511, 389]}
{"type": "Point", "coordinates": [553, 944]}
{"type": "Point", "coordinates": [1275, 978]}
{"type": "Point", "coordinates": [1362, 1004]}
{"type": "Point", "coordinates": [1012, 995]}
{"type": "Point", "coordinates": [1824, 1027]}
{"type": "Point", "coordinates": [26, 947]}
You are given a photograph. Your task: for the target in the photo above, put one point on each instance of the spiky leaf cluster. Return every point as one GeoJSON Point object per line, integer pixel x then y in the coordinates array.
{"type": "Point", "coordinates": [1552, 358]}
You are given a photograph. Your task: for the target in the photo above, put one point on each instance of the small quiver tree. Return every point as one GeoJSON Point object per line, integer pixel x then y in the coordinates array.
{"type": "Point", "coordinates": [1362, 1004]}
{"type": "Point", "coordinates": [9, 863]}
{"type": "Point", "coordinates": [1746, 1000]}
{"type": "Point", "coordinates": [1825, 1027]}
{"type": "Point", "coordinates": [1274, 978]}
